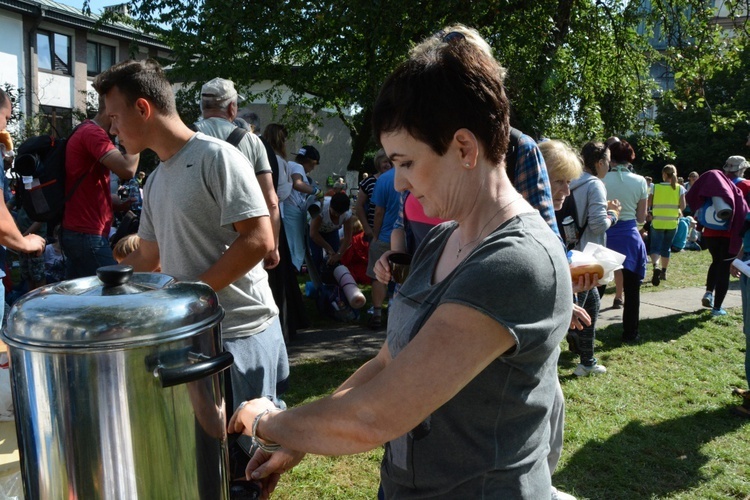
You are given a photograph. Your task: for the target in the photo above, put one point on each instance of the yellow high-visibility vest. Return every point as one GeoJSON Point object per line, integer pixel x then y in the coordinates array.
{"type": "Point", "coordinates": [666, 207]}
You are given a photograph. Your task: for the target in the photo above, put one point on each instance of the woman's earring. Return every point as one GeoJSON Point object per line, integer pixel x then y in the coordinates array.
{"type": "Point", "coordinates": [467, 165]}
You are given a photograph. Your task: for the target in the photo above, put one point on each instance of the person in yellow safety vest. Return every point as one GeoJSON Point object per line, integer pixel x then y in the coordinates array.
{"type": "Point", "coordinates": [665, 203]}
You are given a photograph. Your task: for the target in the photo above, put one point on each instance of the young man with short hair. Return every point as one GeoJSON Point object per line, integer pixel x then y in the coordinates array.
{"type": "Point", "coordinates": [204, 218]}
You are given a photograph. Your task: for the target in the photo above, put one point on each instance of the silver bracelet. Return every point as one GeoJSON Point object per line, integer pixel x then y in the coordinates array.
{"type": "Point", "coordinates": [267, 446]}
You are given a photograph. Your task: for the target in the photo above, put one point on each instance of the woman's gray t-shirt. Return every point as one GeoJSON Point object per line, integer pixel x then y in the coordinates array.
{"type": "Point", "coordinates": [491, 440]}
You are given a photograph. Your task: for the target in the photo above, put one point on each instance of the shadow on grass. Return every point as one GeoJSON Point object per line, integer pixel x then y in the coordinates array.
{"type": "Point", "coordinates": [657, 329]}
{"type": "Point", "coordinates": [663, 329]}
{"type": "Point", "coordinates": [647, 461]}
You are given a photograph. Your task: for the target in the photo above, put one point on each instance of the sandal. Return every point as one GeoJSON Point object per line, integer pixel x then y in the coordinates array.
{"type": "Point", "coordinates": [617, 304]}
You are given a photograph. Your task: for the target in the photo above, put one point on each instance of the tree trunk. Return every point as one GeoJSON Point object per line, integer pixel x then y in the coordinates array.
{"type": "Point", "coordinates": [360, 141]}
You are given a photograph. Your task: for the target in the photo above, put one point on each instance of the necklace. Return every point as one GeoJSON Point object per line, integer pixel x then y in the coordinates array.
{"type": "Point", "coordinates": [461, 247]}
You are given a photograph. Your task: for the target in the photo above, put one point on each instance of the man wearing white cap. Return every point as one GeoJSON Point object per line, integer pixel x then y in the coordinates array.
{"type": "Point", "coordinates": [735, 166]}
{"type": "Point", "coordinates": [219, 110]}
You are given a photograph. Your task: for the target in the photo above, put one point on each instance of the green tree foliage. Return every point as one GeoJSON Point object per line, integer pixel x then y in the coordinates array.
{"type": "Point", "coordinates": [705, 116]}
{"type": "Point", "coordinates": [577, 69]}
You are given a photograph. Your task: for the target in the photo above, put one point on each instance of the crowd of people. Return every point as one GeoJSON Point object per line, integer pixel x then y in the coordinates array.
{"type": "Point", "coordinates": [464, 394]}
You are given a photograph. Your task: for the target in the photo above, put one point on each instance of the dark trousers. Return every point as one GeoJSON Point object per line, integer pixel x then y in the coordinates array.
{"type": "Point", "coordinates": [283, 282]}
{"type": "Point", "coordinates": [717, 279]}
{"type": "Point", "coordinates": [84, 253]}
{"type": "Point", "coordinates": [316, 251]}
{"type": "Point", "coordinates": [632, 307]}
{"type": "Point", "coordinates": [590, 302]}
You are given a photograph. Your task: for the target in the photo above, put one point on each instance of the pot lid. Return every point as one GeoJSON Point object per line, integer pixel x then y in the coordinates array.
{"type": "Point", "coordinates": [116, 308]}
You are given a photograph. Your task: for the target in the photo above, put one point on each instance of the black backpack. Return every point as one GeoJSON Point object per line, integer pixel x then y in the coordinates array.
{"type": "Point", "coordinates": [569, 209]}
{"type": "Point", "coordinates": [40, 168]}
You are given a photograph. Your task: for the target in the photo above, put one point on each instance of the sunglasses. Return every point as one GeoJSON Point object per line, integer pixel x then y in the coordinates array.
{"type": "Point", "coordinates": [453, 36]}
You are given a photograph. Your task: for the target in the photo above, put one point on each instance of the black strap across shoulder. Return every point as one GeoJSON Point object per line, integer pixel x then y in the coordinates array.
{"type": "Point", "coordinates": [236, 136]}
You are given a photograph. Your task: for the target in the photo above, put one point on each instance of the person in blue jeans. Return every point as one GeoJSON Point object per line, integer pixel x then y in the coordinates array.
{"type": "Point", "coordinates": [666, 202]}
{"type": "Point", "coordinates": [90, 156]}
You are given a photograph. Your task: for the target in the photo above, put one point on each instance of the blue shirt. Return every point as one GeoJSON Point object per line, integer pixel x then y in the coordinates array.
{"type": "Point", "coordinates": [532, 180]}
{"type": "Point", "coordinates": [385, 195]}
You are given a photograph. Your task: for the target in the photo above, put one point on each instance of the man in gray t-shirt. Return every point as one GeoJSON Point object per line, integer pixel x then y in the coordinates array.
{"type": "Point", "coordinates": [204, 218]}
{"type": "Point", "coordinates": [219, 109]}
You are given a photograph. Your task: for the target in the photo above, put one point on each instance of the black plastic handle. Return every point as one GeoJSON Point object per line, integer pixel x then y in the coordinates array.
{"type": "Point", "coordinates": [114, 275]}
{"type": "Point", "coordinates": [175, 376]}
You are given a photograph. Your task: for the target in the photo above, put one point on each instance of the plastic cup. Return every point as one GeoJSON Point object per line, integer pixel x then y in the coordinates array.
{"type": "Point", "coordinates": [400, 266]}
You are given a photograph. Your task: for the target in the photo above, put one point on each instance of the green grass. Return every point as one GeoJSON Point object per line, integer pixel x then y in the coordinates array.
{"type": "Point", "coordinates": [657, 425]}
{"type": "Point", "coordinates": [347, 477]}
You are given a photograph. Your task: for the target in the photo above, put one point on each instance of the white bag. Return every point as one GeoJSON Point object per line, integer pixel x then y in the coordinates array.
{"type": "Point", "coordinates": [610, 260]}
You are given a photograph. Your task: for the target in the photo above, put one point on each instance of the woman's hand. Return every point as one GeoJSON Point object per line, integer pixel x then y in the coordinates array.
{"type": "Point", "coordinates": [382, 268]}
{"type": "Point", "coordinates": [734, 271]}
{"type": "Point", "coordinates": [586, 282]}
{"type": "Point", "coordinates": [580, 318]}
{"type": "Point", "coordinates": [267, 468]}
{"type": "Point", "coordinates": [615, 206]}
{"type": "Point", "coordinates": [242, 420]}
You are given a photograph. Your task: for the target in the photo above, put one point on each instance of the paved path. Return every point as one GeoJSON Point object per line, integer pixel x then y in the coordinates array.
{"type": "Point", "coordinates": [352, 341]}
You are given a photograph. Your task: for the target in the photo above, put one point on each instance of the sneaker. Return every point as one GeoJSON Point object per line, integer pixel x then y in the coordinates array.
{"type": "Point", "coordinates": [635, 339]}
{"type": "Point", "coordinates": [375, 322]}
{"type": "Point", "coordinates": [743, 393]}
{"type": "Point", "coordinates": [585, 371]}
{"type": "Point", "coordinates": [718, 312]}
{"type": "Point", "coordinates": [560, 495]}
{"type": "Point", "coordinates": [617, 304]}
{"type": "Point", "coordinates": [572, 339]}
{"type": "Point", "coordinates": [664, 275]}
{"type": "Point", "coordinates": [656, 277]}
{"type": "Point", "coordinates": [708, 299]}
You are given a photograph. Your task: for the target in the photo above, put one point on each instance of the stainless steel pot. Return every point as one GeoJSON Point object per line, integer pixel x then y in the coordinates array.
{"type": "Point", "coordinates": [118, 389]}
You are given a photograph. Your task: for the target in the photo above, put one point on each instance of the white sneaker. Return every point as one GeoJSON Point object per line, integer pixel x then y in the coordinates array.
{"type": "Point", "coordinates": [584, 371]}
{"type": "Point", "coordinates": [559, 495]}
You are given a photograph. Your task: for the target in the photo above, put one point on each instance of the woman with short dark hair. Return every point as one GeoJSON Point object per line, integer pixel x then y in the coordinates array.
{"type": "Point", "coordinates": [462, 391]}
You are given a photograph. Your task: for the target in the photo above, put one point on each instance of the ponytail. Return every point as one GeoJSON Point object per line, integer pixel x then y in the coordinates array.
{"type": "Point", "coordinates": [671, 172]}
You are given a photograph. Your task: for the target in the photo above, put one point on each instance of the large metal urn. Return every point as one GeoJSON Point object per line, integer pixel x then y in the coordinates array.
{"type": "Point", "coordinates": [118, 388]}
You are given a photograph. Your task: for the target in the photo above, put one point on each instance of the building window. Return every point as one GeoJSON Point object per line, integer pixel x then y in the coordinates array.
{"type": "Point", "coordinates": [53, 51]}
{"type": "Point", "coordinates": [99, 57]}
{"type": "Point", "coordinates": [56, 121]}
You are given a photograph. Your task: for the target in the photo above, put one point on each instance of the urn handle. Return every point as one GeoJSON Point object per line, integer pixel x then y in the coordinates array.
{"type": "Point", "coordinates": [174, 376]}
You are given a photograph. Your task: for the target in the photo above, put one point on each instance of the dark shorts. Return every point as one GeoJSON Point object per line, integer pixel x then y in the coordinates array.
{"type": "Point", "coordinates": [377, 249]}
